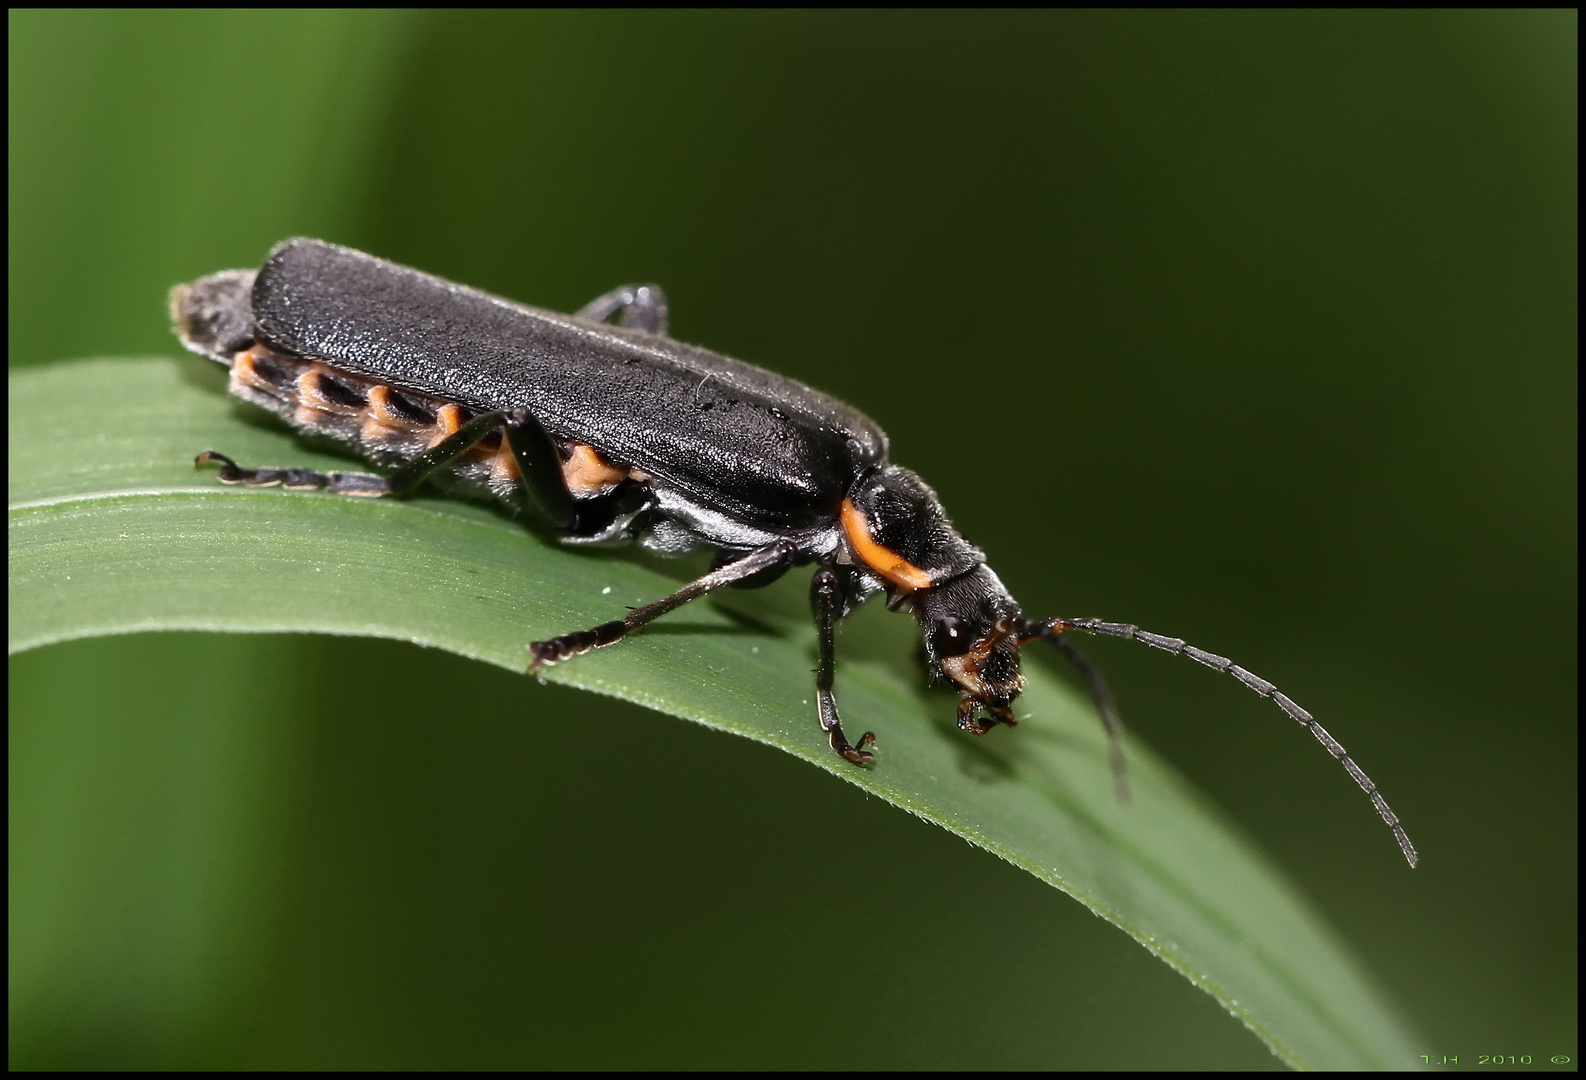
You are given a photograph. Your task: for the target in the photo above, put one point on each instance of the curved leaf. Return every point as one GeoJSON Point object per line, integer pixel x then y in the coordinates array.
{"type": "Point", "coordinates": [112, 530]}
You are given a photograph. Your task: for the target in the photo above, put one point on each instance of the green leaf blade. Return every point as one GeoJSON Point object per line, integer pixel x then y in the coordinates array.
{"type": "Point", "coordinates": [117, 532]}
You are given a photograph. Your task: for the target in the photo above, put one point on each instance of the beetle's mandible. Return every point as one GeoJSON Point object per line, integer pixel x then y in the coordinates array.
{"type": "Point", "coordinates": [618, 432]}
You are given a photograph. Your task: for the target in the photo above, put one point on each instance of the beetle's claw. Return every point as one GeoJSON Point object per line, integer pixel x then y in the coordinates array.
{"type": "Point", "coordinates": [855, 754]}
{"type": "Point", "coordinates": [542, 654]}
{"type": "Point", "coordinates": [968, 721]}
{"type": "Point", "coordinates": [994, 715]}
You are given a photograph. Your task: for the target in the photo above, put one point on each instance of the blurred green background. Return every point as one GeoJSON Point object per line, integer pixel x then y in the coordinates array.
{"type": "Point", "coordinates": [1253, 328]}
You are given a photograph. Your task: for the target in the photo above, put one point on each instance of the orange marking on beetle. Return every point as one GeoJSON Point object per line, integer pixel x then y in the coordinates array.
{"type": "Point", "coordinates": [311, 394]}
{"type": "Point", "coordinates": [587, 473]}
{"type": "Point", "coordinates": [503, 466]}
{"type": "Point", "coordinates": [244, 374]}
{"type": "Point", "coordinates": [381, 422]}
{"type": "Point", "coordinates": [381, 410]}
{"type": "Point", "coordinates": [884, 561]}
{"type": "Point", "coordinates": [448, 418]}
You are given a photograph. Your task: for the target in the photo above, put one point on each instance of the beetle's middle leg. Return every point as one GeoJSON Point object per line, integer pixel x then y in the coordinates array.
{"type": "Point", "coordinates": [545, 653]}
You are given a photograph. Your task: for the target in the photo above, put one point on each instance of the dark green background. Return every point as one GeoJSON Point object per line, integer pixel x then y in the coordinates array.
{"type": "Point", "coordinates": [1253, 328]}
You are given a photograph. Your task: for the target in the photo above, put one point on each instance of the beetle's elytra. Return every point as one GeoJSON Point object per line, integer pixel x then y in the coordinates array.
{"type": "Point", "coordinates": [613, 432]}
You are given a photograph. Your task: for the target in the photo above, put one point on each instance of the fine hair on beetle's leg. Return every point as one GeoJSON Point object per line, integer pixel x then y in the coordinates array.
{"type": "Point", "coordinates": [370, 485]}
{"type": "Point", "coordinates": [826, 601]}
{"type": "Point", "coordinates": [543, 654]}
{"type": "Point", "coordinates": [1106, 707]}
{"type": "Point", "coordinates": [1259, 685]}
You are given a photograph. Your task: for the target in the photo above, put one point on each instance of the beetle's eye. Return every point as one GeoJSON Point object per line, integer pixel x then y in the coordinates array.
{"type": "Point", "coordinates": [950, 637]}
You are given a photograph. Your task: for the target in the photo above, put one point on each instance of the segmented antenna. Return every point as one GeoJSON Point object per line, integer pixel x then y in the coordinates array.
{"type": "Point", "coordinates": [1052, 627]}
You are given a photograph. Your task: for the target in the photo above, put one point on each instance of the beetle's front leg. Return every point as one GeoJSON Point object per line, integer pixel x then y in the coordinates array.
{"type": "Point", "coordinates": [643, 307]}
{"type": "Point", "coordinates": [826, 599]}
{"type": "Point", "coordinates": [970, 708]}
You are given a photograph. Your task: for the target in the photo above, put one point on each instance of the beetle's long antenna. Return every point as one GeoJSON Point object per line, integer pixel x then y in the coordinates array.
{"type": "Point", "coordinates": [1052, 627]}
{"type": "Point", "coordinates": [1106, 705]}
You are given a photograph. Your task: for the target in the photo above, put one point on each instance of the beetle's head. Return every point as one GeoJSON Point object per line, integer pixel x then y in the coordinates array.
{"type": "Point", "coordinates": [970, 630]}
{"type": "Point", "coordinates": [895, 528]}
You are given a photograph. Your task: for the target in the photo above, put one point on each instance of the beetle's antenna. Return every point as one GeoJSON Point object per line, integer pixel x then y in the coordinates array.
{"type": "Point", "coordinates": [1106, 705]}
{"type": "Point", "coordinates": [1052, 627]}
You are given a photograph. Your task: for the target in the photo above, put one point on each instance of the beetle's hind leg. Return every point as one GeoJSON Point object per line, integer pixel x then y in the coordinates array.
{"type": "Point", "coordinates": [643, 307]}
{"type": "Point", "coordinates": [539, 468]}
{"type": "Point", "coordinates": [543, 654]}
{"type": "Point", "coordinates": [341, 483]}
{"type": "Point", "coordinates": [399, 483]}
{"type": "Point", "coordinates": [826, 599]}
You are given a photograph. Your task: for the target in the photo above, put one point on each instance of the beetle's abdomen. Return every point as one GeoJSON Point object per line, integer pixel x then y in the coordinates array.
{"type": "Point", "coordinates": [391, 425]}
{"type": "Point", "coordinates": [386, 424]}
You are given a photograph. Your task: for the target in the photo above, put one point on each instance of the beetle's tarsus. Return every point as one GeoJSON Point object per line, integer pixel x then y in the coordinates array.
{"type": "Point", "coordinates": [232, 473]}
{"type": "Point", "coordinates": [969, 721]}
{"type": "Point", "coordinates": [545, 653]}
{"type": "Point", "coordinates": [855, 754]}
{"type": "Point", "coordinates": [229, 473]}
{"type": "Point", "coordinates": [538, 661]}
{"type": "Point", "coordinates": [367, 485]}
{"type": "Point", "coordinates": [831, 723]}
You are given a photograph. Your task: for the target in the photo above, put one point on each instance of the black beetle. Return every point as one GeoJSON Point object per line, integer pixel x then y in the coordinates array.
{"type": "Point", "coordinates": [614, 432]}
